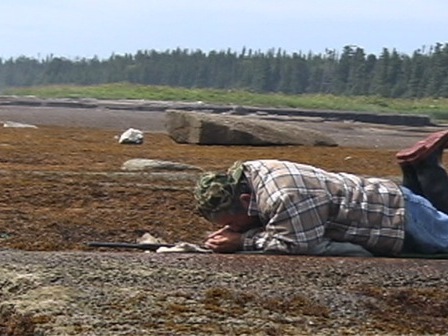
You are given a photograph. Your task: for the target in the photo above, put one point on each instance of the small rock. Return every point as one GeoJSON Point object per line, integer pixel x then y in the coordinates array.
{"type": "Point", "coordinates": [148, 238]}
{"type": "Point", "coordinates": [13, 124]}
{"type": "Point", "coordinates": [131, 136]}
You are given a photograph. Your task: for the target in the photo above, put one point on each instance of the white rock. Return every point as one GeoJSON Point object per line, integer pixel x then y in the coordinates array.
{"type": "Point", "coordinates": [148, 238]}
{"type": "Point", "coordinates": [183, 247]}
{"type": "Point", "coordinates": [131, 136]}
{"type": "Point", "coordinates": [17, 125]}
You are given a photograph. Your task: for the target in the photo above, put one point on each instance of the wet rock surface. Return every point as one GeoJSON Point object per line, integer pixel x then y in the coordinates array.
{"type": "Point", "coordinates": [63, 186]}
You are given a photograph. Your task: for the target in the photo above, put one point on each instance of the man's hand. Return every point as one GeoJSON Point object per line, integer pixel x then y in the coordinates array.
{"type": "Point", "coordinates": [224, 241]}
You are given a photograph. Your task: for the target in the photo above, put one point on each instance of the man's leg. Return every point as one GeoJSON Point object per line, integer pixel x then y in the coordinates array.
{"type": "Point", "coordinates": [423, 171]}
{"type": "Point", "coordinates": [433, 180]}
{"type": "Point", "coordinates": [410, 179]}
{"type": "Point", "coordinates": [426, 229]}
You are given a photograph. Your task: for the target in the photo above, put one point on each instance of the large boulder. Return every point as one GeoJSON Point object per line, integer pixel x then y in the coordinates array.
{"type": "Point", "coordinates": [212, 129]}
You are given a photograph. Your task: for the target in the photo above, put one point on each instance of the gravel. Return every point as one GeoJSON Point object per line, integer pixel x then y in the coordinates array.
{"type": "Point", "coordinates": [82, 293]}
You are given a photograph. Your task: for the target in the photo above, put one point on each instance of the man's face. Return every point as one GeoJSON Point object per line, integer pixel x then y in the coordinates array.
{"type": "Point", "coordinates": [237, 222]}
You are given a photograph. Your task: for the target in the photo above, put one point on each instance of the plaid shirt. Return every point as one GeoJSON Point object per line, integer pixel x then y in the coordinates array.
{"type": "Point", "coordinates": [302, 207]}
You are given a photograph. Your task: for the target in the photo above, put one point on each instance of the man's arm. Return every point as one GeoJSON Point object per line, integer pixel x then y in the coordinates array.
{"type": "Point", "coordinates": [296, 223]}
{"type": "Point", "coordinates": [333, 248]}
{"type": "Point", "coordinates": [324, 248]}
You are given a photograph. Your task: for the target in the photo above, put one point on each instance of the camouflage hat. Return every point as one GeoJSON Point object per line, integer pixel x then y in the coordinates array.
{"type": "Point", "coordinates": [214, 192]}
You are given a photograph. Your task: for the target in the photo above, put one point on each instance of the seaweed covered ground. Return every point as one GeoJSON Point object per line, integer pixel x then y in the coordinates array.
{"type": "Point", "coordinates": [62, 186]}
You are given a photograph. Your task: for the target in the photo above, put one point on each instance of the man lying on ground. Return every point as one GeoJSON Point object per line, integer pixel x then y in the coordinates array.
{"type": "Point", "coordinates": [291, 208]}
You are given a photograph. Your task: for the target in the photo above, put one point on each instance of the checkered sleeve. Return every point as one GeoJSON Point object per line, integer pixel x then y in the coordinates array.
{"type": "Point", "coordinates": [296, 224]}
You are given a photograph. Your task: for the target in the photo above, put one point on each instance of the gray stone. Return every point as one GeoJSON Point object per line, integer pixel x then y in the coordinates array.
{"type": "Point", "coordinates": [211, 129]}
{"type": "Point", "coordinates": [156, 165]}
{"type": "Point", "coordinates": [238, 110]}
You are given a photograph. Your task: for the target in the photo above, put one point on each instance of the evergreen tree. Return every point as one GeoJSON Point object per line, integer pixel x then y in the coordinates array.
{"type": "Point", "coordinates": [380, 82]}
{"type": "Point", "coordinates": [416, 80]}
{"type": "Point", "coordinates": [357, 83]}
{"type": "Point", "coordinates": [343, 70]}
{"type": "Point", "coordinates": [437, 71]}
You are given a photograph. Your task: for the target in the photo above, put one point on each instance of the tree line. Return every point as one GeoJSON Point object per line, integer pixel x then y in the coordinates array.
{"type": "Point", "coordinates": [348, 72]}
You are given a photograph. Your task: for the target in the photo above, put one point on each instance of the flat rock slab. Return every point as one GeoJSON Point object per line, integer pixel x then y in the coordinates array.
{"type": "Point", "coordinates": [211, 129]}
{"type": "Point", "coordinates": [156, 165]}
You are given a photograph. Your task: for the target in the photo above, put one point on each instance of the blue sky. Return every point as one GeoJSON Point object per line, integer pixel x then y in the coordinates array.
{"type": "Point", "coordinates": [88, 28]}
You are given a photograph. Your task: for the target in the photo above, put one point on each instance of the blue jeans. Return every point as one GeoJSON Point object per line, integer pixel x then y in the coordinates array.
{"type": "Point", "coordinates": [426, 228]}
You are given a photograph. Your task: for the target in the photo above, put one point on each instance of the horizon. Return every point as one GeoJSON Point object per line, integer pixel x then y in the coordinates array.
{"type": "Point", "coordinates": [424, 50]}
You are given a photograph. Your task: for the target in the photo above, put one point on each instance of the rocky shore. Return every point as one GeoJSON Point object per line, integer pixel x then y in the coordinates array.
{"type": "Point", "coordinates": [63, 185]}
{"type": "Point", "coordinates": [129, 293]}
